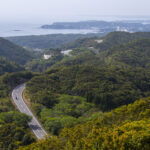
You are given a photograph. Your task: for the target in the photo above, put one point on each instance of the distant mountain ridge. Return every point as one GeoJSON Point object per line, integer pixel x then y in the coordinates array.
{"type": "Point", "coordinates": [47, 41]}
{"type": "Point", "coordinates": [103, 26]}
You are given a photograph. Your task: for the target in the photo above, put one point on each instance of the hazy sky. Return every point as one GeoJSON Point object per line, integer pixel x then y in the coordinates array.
{"type": "Point", "coordinates": [34, 10]}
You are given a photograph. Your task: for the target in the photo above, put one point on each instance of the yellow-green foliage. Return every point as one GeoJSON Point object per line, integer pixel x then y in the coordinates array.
{"type": "Point", "coordinates": [125, 128]}
{"type": "Point", "coordinates": [48, 144]}
{"type": "Point", "coordinates": [133, 135]}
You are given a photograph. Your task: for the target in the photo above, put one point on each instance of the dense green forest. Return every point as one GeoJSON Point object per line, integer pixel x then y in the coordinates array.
{"type": "Point", "coordinates": [117, 75]}
{"type": "Point", "coordinates": [97, 97]}
{"type": "Point", "coordinates": [124, 128]}
{"type": "Point", "coordinates": [106, 87]}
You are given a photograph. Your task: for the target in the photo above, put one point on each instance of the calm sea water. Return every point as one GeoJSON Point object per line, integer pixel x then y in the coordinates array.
{"type": "Point", "coordinates": [34, 29]}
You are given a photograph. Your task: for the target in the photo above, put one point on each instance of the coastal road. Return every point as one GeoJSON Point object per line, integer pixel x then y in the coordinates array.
{"type": "Point", "coordinates": [35, 126]}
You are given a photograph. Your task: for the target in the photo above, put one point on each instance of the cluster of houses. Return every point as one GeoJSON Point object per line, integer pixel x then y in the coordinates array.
{"type": "Point", "coordinates": [64, 52]}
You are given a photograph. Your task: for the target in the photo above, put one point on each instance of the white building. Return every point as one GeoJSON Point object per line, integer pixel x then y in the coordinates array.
{"type": "Point", "coordinates": [99, 41]}
{"type": "Point", "coordinates": [46, 56]}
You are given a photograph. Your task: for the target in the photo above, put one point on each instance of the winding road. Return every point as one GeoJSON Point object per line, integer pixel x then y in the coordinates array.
{"type": "Point", "coordinates": [35, 126]}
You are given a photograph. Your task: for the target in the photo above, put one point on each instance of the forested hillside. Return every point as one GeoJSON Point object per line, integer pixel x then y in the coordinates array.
{"type": "Point", "coordinates": [7, 66]}
{"type": "Point", "coordinates": [105, 87]}
{"type": "Point", "coordinates": [114, 77]}
{"type": "Point", "coordinates": [14, 52]}
{"type": "Point", "coordinates": [74, 96]}
{"type": "Point", "coordinates": [135, 54]}
{"type": "Point", "coordinates": [97, 97]}
{"type": "Point", "coordinates": [124, 128]}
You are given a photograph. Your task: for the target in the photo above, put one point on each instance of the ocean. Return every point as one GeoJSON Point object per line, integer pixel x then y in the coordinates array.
{"type": "Point", "coordinates": [7, 30]}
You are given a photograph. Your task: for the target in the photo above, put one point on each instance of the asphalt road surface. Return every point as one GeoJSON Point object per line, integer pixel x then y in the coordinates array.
{"type": "Point", "coordinates": [35, 126]}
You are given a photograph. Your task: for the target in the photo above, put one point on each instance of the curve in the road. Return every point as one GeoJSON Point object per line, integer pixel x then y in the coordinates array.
{"type": "Point", "coordinates": [35, 126]}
